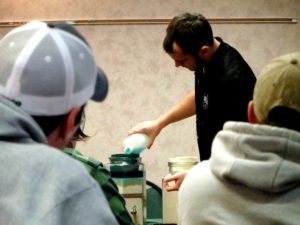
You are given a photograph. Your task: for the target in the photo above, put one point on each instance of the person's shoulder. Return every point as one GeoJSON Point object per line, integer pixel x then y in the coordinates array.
{"type": "Point", "coordinates": [233, 56]}
{"type": "Point", "coordinates": [199, 169]}
{"type": "Point", "coordinates": [93, 165]}
{"type": "Point", "coordinates": [228, 52]}
{"type": "Point", "coordinates": [233, 65]}
{"type": "Point", "coordinates": [96, 169]}
{"type": "Point", "coordinates": [197, 189]}
{"type": "Point", "coordinates": [199, 177]}
{"type": "Point", "coordinates": [58, 165]}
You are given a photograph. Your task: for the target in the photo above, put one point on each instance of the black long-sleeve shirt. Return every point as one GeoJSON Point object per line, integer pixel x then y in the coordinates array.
{"type": "Point", "coordinates": [223, 90]}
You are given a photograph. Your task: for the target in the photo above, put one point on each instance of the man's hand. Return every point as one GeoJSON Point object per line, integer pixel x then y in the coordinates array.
{"type": "Point", "coordinates": [173, 182]}
{"type": "Point", "coordinates": [151, 128]}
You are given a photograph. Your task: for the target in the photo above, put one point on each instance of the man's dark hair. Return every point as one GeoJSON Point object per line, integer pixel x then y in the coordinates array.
{"type": "Point", "coordinates": [190, 31]}
{"type": "Point", "coordinates": [284, 117]}
{"type": "Point", "coordinates": [49, 123]}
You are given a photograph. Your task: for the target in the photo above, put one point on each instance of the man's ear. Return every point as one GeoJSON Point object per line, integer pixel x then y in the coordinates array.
{"type": "Point", "coordinates": [203, 51]}
{"type": "Point", "coordinates": [251, 114]}
{"type": "Point", "coordinates": [62, 135]}
{"type": "Point", "coordinates": [70, 125]}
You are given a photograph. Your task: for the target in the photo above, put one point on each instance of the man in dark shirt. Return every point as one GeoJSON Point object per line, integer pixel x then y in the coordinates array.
{"type": "Point", "coordinates": [223, 84]}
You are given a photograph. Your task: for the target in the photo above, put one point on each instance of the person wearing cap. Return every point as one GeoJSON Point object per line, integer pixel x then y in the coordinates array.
{"type": "Point", "coordinates": [224, 84]}
{"type": "Point", "coordinates": [252, 176]}
{"type": "Point", "coordinates": [47, 75]}
{"type": "Point", "coordinates": [94, 167]}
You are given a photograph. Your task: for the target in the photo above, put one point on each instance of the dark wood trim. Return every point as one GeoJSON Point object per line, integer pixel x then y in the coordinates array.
{"type": "Point", "coordinates": [158, 21]}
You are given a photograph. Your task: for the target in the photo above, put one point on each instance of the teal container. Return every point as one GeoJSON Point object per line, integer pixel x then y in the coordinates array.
{"type": "Point", "coordinates": [126, 166]}
{"type": "Point", "coordinates": [127, 171]}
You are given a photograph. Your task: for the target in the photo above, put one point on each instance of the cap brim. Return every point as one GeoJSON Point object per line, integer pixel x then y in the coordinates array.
{"type": "Point", "coordinates": [101, 86]}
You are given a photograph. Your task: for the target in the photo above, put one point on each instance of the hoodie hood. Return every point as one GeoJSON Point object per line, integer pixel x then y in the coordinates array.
{"type": "Point", "coordinates": [262, 157]}
{"type": "Point", "coordinates": [17, 126]}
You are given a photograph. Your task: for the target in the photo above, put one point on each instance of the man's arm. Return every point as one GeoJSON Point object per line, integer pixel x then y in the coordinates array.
{"type": "Point", "coordinates": [182, 110]}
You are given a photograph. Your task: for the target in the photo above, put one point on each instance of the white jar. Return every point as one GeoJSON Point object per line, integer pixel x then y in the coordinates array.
{"type": "Point", "coordinates": [181, 163]}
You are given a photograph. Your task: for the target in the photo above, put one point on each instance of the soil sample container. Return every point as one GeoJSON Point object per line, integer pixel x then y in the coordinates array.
{"type": "Point", "coordinates": [128, 172]}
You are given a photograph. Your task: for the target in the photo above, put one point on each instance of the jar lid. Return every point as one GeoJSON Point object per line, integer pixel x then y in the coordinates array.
{"type": "Point", "coordinates": [183, 161]}
{"type": "Point", "coordinates": [125, 156]}
{"type": "Point", "coordinates": [132, 158]}
{"type": "Point", "coordinates": [122, 165]}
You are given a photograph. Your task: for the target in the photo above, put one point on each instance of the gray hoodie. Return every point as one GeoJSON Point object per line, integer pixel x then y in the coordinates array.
{"type": "Point", "coordinates": [252, 177]}
{"type": "Point", "coordinates": [39, 184]}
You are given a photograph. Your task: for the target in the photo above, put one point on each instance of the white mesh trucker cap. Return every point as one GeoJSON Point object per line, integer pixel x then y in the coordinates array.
{"type": "Point", "coordinates": [47, 69]}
